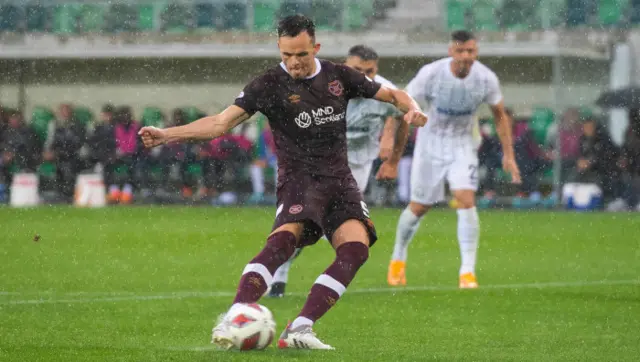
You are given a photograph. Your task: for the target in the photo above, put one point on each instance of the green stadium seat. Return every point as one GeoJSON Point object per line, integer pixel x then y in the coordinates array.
{"type": "Point", "coordinates": [484, 16]}
{"type": "Point", "coordinates": [152, 116]}
{"type": "Point", "coordinates": [610, 11]}
{"type": "Point", "coordinates": [92, 18]}
{"type": "Point", "coordinates": [65, 18]}
{"type": "Point", "coordinates": [205, 15]}
{"type": "Point", "coordinates": [326, 15]}
{"type": "Point", "coordinates": [577, 13]}
{"type": "Point", "coordinates": [36, 18]}
{"type": "Point", "coordinates": [122, 18]}
{"type": "Point", "coordinates": [146, 17]}
{"type": "Point", "coordinates": [265, 13]}
{"type": "Point", "coordinates": [40, 119]}
{"type": "Point", "coordinates": [175, 18]}
{"type": "Point", "coordinates": [456, 15]}
{"type": "Point", "coordinates": [234, 16]}
{"type": "Point", "coordinates": [355, 16]}
{"type": "Point", "coordinates": [540, 122]}
{"type": "Point", "coordinates": [291, 7]}
{"type": "Point", "coordinates": [10, 16]}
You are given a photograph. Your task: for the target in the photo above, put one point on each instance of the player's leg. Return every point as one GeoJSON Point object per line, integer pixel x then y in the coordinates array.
{"type": "Point", "coordinates": [281, 276]}
{"type": "Point", "coordinates": [463, 181]}
{"type": "Point", "coordinates": [427, 188]}
{"type": "Point", "coordinates": [258, 274]}
{"type": "Point", "coordinates": [351, 243]}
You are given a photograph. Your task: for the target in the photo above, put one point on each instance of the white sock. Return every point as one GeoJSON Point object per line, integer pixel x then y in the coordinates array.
{"type": "Point", "coordinates": [301, 321]}
{"type": "Point", "coordinates": [257, 179]}
{"type": "Point", "coordinates": [282, 274]}
{"type": "Point", "coordinates": [468, 236]}
{"type": "Point", "coordinates": [407, 227]}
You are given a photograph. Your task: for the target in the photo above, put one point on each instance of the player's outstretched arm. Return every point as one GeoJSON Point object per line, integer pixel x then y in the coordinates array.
{"type": "Point", "coordinates": [202, 129]}
{"type": "Point", "coordinates": [405, 103]}
{"type": "Point", "coordinates": [505, 133]}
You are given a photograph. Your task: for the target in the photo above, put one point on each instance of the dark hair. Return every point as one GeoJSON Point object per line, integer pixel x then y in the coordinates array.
{"type": "Point", "coordinates": [462, 36]}
{"type": "Point", "coordinates": [293, 25]}
{"type": "Point", "coordinates": [363, 52]}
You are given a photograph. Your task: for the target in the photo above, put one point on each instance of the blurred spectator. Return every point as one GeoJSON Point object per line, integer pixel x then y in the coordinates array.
{"type": "Point", "coordinates": [19, 149]}
{"type": "Point", "coordinates": [127, 151]}
{"type": "Point", "coordinates": [630, 164]}
{"type": "Point", "coordinates": [530, 158]}
{"type": "Point", "coordinates": [569, 131]}
{"type": "Point", "coordinates": [597, 158]}
{"type": "Point", "coordinates": [64, 141]}
{"type": "Point", "coordinates": [264, 156]}
{"type": "Point", "coordinates": [228, 153]}
{"type": "Point", "coordinates": [102, 143]}
{"type": "Point", "coordinates": [172, 161]}
{"type": "Point", "coordinates": [490, 158]}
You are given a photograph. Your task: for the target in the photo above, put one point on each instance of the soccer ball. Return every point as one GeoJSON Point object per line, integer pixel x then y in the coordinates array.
{"type": "Point", "coordinates": [252, 326]}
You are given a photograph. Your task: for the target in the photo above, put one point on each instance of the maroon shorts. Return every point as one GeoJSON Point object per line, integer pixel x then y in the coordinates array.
{"type": "Point", "coordinates": [323, 204]}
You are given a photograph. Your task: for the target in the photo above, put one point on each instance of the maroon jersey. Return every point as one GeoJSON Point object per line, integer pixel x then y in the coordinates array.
{"type": "Point", "coordinates": [308, 116]}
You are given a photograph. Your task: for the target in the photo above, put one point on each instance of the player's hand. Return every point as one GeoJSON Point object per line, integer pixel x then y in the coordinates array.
{"type": "Point", "coordinates": [416, 118]}
{"type": "Point", "coordinates": [388, 171]}
{"type": "Point", "coordinates": [152, 136]}
{"type": "Point", "coordinates": [510, 166]}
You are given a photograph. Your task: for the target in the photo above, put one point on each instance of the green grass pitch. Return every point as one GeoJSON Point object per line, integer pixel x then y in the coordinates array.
{"type": "Point", "coordinates": [145, 284]}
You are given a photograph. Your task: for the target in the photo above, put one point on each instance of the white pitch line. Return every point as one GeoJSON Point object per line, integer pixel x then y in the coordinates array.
{"type": "Point", "coordinates": [226, 294]}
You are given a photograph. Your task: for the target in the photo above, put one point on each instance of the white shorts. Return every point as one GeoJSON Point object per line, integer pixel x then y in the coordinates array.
{"type": "Point", "coordinates": [361, 173]}
{"type": "Point", "coordinates": [428, 176]}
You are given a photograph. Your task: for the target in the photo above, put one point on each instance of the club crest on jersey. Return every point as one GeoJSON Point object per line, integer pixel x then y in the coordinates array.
{"type": "Point", "coordinates": [294, 98]}
{"type": "Point", "coordinates": [295, 209]}
{"type": "Point", "coordinates": [336, 88]}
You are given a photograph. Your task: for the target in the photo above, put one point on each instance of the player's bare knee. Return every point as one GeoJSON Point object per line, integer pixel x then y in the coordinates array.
{"type": "Point", "coordinates": [350, 231]}
{"type": "Point", "coordinates": [466, 198]}
{"type": "Point", "coordinates": [418, 209]}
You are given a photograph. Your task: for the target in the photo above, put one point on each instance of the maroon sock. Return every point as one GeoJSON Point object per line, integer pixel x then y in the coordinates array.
{"type": "Point", "coordinates": [329, 286]}
{"type": "Point", "coordinates": [258, 273]}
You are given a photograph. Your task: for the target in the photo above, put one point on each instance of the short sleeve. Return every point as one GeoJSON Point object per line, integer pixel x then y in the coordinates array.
{"type": "Point", "coordinates": [357, 84]}
{"type": "Point", "coordinates": [250, 98]}
{"type": "Point", "coordinates": [418, 86]}
{"type": "Point", "coordinates": [494, 94]}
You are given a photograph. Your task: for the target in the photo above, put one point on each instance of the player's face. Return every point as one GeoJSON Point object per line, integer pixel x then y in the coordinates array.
{"type": "Point", "coordinates": [298, 54]}
{"type": "Point", "coordinates": [463, 54]}
{"type": "Point", "coordinates": [368, 67]}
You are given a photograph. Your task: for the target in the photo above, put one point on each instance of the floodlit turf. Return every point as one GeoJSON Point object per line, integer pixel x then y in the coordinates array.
{"type": "Point", "coordinates": [145, 284]}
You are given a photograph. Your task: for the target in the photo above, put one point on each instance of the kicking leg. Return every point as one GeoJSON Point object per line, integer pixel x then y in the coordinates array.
{"type": "Point", "coordinates": [468, 237]}
{"type": "Point", "coordinates": [407, 228]}
{"type": "Point", "coordinates": [257, 275]}
{"type": "Point", "coordinates": [281, 277]}
{"type": "Point", "coordinates": [351, 243]}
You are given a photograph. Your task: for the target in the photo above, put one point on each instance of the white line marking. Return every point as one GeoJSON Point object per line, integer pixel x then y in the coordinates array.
{"type": "Point", "coordinates": [198, 294]}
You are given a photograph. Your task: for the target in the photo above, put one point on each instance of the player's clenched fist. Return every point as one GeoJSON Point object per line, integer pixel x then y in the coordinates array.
{"type": "Point", "coordinates": [152, 136]}
{"type": "Point", "coordinates": [415, 118]}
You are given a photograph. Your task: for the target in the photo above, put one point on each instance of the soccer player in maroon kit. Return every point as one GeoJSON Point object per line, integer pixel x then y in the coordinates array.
{"type": "Point", "coordinates": [305, 100]}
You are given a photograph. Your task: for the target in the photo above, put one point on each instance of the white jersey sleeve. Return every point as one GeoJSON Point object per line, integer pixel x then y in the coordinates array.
{"type": "Point", "coordinates": [494, 94]}
{"type": "Point", "coordinates": [418, 87]}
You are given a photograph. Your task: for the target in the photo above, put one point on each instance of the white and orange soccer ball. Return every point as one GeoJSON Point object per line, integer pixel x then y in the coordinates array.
{"type": "Point", "coordinates": [252, 327]}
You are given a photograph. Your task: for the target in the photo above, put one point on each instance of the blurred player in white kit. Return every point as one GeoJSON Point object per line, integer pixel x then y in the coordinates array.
{"type": "Point", "coordinates": [446, 150]}
{"type": "Point", "coordinates": [374, 129]}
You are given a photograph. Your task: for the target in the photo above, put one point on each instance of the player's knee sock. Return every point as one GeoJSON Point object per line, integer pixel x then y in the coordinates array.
{"type": "Point", "coordinates": [332, 284]}
{"type": "Point", "coordinates": [257, 275]}
{"type": "Point", "coordinates": [407, 227]}
{"type": "Point", "coordinates": [257, 179]}
{"type": "Point", "coordinates": [282, 274]}
{"type": "Point", "coordinates": [468, 236]}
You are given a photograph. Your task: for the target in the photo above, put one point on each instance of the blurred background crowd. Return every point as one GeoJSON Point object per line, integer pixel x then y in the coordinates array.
{"type": "Point", "coordinates": [79, 77]}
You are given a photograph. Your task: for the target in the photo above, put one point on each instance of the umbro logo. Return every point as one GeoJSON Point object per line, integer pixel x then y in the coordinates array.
{"type": "Point", "coordinates": [294, 98]}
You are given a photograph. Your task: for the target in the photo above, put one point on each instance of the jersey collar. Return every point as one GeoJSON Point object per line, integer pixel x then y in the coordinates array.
{"type": "Point", "coordinates": [318, 68]}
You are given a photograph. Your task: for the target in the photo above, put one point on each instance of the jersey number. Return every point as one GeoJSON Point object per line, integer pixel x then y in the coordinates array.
{"type": "Point", "coordinates": [473, 174]}
{"type": "Point", "coordinates": [365, 210]}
